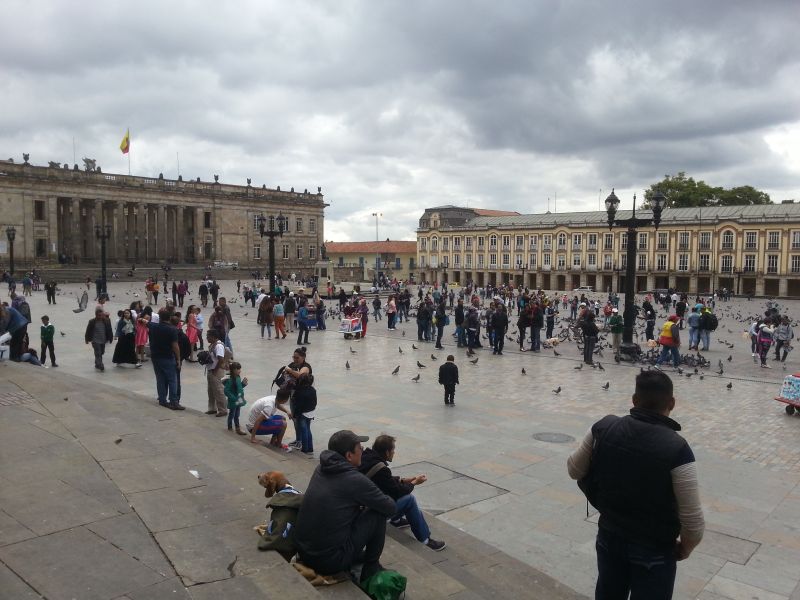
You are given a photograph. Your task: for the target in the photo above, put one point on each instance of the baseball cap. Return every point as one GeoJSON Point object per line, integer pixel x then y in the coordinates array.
{"type": "Point", "coordinates": [343, 441]}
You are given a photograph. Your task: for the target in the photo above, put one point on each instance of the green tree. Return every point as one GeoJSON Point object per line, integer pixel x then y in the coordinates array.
{"type": "Point", "coordinates": [682, 192]}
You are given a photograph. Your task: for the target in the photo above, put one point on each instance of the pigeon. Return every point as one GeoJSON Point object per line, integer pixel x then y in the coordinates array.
{"type": "Point", "coordinates": [414, 347]}
{"type": "Point", "coordinates": [118, 441]}
{"type": "Point", "coordinates": [82, 303]}
{"type": "Point", "coordinates": [470, 352]}
{"type": "Point", "coordinates": [415, 379]}
{"type": "Point", "coordinates": [396, 370]}
{"type": "Point", "coordinates": [475, 362]}
{"type": "Point", "coordinates": [607, 385]}
{"type": "Point", "coordinates": [400, 349]}
{"type": "Point", "coordinates": [66, 399]}
{"type": "Point", "coordinates": [557, 390]}
{"type": "Point", "coordinates": [523, 371]}
{"type": "Point", "coordinates": [730, 385]}
{"type": "Point", "coordinates": [433, 357]}
{"type": "Point", "coordinates": [245, 314]}
{"type": "Point", "coordinates": [730, 358]}
{"type": "Point", "coordinates": [579, 367]}
{"type": "Point", "coordinates": [702, 377]}
{"type": "Point", "coordinates": [600, 366]}
{"type": "Point", "coordinates": [420, 365]}
{"type": "Point", "coordinates": [347, 365]}
{"type": "Point", "coordinates": [62, 333]}
{"type": "Point", "coordinates": [353, 351]}
{"type": "Point", "coordinates": [404, 334]}
{"type": "Point", "coordinates": [556, 353]}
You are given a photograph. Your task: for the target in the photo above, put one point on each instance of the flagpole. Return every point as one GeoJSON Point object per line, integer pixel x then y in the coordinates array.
{"type": "Point", "coordinates": [129, 151]}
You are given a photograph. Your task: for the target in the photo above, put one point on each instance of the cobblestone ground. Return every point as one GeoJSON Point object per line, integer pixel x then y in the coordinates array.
{"type": "Point", "coordinates": [488, 474]}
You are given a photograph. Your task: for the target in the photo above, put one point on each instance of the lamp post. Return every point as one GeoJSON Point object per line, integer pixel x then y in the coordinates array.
{"type": "Point", "coordinates": [377, 215]}
{"type": "Point", "coordinates": [11, 234]}
{"type": "Point", "coordinates": [524, 267]}
{"type": "Point", "coordinates": [102, 233]}
{"type": "Point", "coordinates": [628, 349]}
{"type": "Point", "coordinates": [267, 227]}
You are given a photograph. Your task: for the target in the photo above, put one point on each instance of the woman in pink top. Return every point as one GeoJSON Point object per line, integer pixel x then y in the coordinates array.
{"type": "Point", "coordinates": [141, 336]}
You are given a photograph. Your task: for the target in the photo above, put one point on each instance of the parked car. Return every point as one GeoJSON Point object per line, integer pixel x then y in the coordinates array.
{"type": "Point", "coordinates": [585, 289]}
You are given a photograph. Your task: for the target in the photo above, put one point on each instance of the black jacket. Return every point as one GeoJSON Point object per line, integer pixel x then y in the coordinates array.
{"type": "Point", "coordinates": [90, 331]}
{"type": "Point", "coordinates": [332, 501]}
{"type": "Point", "coordinates": [448, 373]}
{"type": "Point", "coordinates": [630, 471]}
{"type": "Point", "coordinates": [459, 314]}
{"type": "Point", "coordinates": [386, 482]}
{"type": "Point", "coordinates": [500, 322]}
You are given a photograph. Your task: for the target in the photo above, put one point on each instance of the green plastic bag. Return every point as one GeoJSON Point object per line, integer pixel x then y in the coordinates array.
{"type": "Point", "coordinates": [385, 585]}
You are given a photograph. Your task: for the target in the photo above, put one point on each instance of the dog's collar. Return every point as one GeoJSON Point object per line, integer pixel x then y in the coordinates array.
{"type": "Point", "coordinates": [288, 489]}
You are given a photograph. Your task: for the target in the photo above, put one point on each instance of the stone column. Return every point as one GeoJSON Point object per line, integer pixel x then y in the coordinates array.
{"type": "Point", "coordinates": [76, 230]}
{"type": "Point", "coordinates": [152, 232]}
{"type": "Point", "coordinates": [131, 231]}
{"type": "Point", "coordinates": [161, 249]}
{"type": "Point", "coordinates": [141, 233]}
{"type": "Point", "coordinates": [53, 228]}
{"type": "Point", "coordinates": [180, 229]}
{"type": "Point", "coordinates": [119, 232]}
{"type": "Point", "coordinates": [199, 235]}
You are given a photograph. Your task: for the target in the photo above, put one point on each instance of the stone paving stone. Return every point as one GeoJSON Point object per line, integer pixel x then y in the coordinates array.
{"type": "Point", "coordinates": [454, 493]}
{"type": "Point", "coordinates": [128, 533]}
{"type": "Point", "coordinates": [727, 547]}
{"type": "Point", "coordinates": [735, 590]}
{"type": "Point", "coordinates": [13, 588]}
{"type": "Point", "coordinates": [11, 530]}
{"type": "Point", "coordinates": [164, 509]}
{"type": "Point", "coordinates": [171, 589]}
{"type": "Point", "coordinates": [48, 505]}
{"type": "Point", "coordinates": [50, 563]}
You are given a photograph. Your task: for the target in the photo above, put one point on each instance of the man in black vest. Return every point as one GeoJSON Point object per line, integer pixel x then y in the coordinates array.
{"type": "Point", "coordinates": [641, 475]}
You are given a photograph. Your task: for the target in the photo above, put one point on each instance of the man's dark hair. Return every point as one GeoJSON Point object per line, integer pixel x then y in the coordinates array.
{"type": "Point", "coordinates": [653, 390]}
{"type": "Point", "coordinates": [383, 445]}
{"type": "Point", "coordinates": [213, 333]}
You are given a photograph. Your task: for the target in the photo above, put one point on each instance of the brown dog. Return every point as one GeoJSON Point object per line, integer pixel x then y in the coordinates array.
{"type": "Point", "coordinates": [273, 482]}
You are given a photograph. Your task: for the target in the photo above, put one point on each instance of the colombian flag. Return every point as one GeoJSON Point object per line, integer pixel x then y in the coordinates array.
{"type": "Point", "coordinates": [125, 144]}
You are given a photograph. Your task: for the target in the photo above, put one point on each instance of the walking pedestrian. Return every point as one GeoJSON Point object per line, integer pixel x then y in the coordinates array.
{"type": "Point", "coordinates": [670, 341]}
{"type": "Point", "coordinates": [98, 334]}
{"type": "Point", "coordinates": [46, 335]}
{"type": "Point", "coordinates": [448, 377]}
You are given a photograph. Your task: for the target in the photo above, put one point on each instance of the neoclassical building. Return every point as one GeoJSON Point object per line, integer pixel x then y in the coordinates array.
{"type": "Point", "coordinates": [742, 248]}
{"type": "Point", "coordinates": [55, 212]}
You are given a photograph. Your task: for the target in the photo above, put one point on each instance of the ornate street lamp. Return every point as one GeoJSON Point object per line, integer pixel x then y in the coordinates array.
{"type": "Point", "coordinates": [524, 267]}
{"type": "Point", "coordinates": [628, 349]}
{"type": "Point", "coordinates": [103, 234]}
{"type": "Point", "coordinates": [11, 234]}
{"type": "Point", "coordinates": [272, 228]}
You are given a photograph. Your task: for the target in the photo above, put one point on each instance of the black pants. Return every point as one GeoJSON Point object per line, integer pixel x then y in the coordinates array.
{"type": "Point", "coordinates": [367, 533]}
{"type": "Point", "coordinates": [16, 343]}
{"type": "Point", "coordinates": [499, 341]}
{"type": "Point", "coordinates": [549, 332]}
{"type": "Point", "coordinates": [302, 331]}
{"type": "Point", "coordinates": [439, 333]}
{"type": "Point", "coordinates": [449, 393]}
{"type": "Point", "coordinates": [522, 330]}
{"type": "Point", "coordinates": [51, 297]}
{"type": "Point", "coordinates": [43, 355]}
{"type": "Point", "coordinates": [778, 345]}
{"type": "Point", "coordinates": [99, 350]}
{"type": "Point", "coordinates": [588, 349]}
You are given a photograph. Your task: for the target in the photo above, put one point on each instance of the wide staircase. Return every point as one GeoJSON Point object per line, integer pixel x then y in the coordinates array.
{"type": "Point", "coordinates": [106, 495]}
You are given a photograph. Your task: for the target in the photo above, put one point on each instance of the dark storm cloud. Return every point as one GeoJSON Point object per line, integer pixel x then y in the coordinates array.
{"type": "Point", "coordinates": [394, 106]}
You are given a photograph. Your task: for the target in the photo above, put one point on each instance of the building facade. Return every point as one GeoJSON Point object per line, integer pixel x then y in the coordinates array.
{"type": "Point", "coordinates": [747, 249]}
{"type": "Point", "coordinates": [356, 261]}
{"type": "Point", "coordinates": [55, 212]}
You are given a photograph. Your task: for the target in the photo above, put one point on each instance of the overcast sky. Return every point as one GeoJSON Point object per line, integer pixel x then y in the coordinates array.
{"type": "Point", "coordinates": [395, 106]}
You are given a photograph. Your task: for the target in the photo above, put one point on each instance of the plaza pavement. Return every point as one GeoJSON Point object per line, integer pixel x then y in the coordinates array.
{"type": "Point", "coordinates": [489, 476]}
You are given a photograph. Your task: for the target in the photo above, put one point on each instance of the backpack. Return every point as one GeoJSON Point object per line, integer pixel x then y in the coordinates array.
{"type": "Point", "coordinates": [385, 585]}
{"type": "Point", "coordinates": [279, 532]}
{"type": "Point", "coordinates": [712, 322]}
{"type": "Point", "coordinates": [204, 357]}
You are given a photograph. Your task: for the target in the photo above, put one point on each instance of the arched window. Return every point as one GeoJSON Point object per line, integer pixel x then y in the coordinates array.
{"type": "Point", "coordinates": [434, 244]}
{"type": "Point", "coordinates": [493, 241]}
{"type": "Point", "coordinates": [727, 240]}
{"type": "Point", "coordinates": [562, 240]}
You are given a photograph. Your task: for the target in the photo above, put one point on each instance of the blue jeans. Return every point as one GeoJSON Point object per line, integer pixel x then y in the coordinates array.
{"type": "Point", "coordinates": [233, 417]}
{"type": "Point", "coordinates": [536, 338]}
{"type": "Point", "coordinates": [407, 507]}
{"type": "Point", "coordinates": [666, 351]}
{"type": "Point", "coordinates": [303, 424]}
{"type": "Point", "coordinates": [227, 341]}
{"type": "Point", "coordinates": [694, 338]}
{"type": "Point", "coordinates": [461, 335]}
{"type": "Point", "coordinates": [704, 338]}
{"type": "Point", "coordinates": [624, 567]}
{"type": "Point", "coordinates": [423, 331]}
{"type": "Point", "coordinates": [166, 379]}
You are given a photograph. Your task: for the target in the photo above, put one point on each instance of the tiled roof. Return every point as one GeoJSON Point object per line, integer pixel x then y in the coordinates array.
{"type": "Point", "coordinates": [386, 247]}
{"type": "Point", "coordinates": [485, 212]}
{"type": "Point", "coordinates": [754, 213]}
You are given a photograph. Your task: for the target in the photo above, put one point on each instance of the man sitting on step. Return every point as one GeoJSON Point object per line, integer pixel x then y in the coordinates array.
{"type": "Point", "coordinates": [374, 466]}
{"type": "Point", "coordinates": [342, 520]}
